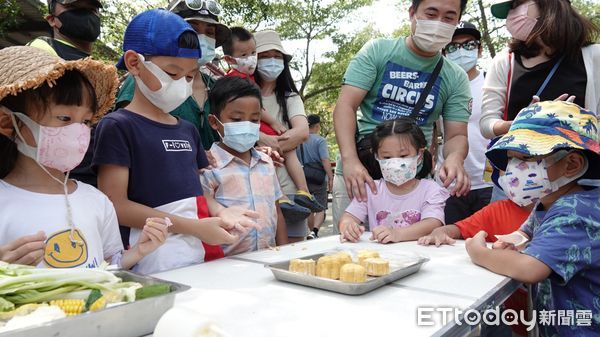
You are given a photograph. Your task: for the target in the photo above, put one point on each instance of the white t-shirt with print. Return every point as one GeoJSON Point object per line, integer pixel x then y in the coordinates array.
{"type": "Point", "coordinates": [97, 232]}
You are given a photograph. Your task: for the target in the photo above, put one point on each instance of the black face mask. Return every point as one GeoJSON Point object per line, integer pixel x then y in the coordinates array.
{"type": "Point", "coordinates": [80, 24]}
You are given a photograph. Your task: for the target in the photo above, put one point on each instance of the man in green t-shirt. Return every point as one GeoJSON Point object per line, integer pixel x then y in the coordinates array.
{"type": "Point", "coordinates": [385, 80]}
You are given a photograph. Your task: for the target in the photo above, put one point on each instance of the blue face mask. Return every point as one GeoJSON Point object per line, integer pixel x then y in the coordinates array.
{"type": "Point", "coordinates": [240, 136]}
{"type": "Point", "coordinates": [466, 59]}
{"type": "Point", "coordinates": [207, 47]}
{"type": "Point", "coordinates": [269, 69]}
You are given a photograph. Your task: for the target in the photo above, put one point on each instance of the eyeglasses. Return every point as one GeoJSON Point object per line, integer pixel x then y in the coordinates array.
{"type": "Point", "coordinates": [212, 6]}
{"type": "Point", "coordinates": [469, 45]}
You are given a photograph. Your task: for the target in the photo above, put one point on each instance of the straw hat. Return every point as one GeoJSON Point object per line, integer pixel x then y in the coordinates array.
{"type": "Point", "coordinates": [23, 68]}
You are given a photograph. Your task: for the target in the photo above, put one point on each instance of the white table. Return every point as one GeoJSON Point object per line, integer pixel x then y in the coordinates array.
{"type": "Point", "coordinates": [242, 296]}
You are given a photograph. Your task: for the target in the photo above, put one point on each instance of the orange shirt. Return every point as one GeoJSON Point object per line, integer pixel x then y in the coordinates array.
{"type": "Point", "coordinates": [497, 218]}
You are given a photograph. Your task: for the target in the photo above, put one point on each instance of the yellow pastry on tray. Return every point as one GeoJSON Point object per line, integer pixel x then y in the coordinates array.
{"type": "Point", "coordinates": [343, 257]}
{"type": "Point", "coordinates": [303, 266]}
{"type": "Point", "coordinates": [366, 254]}
{"type": "Point", "coordinates": [328, 266]}
{"type": "Point", "coordinates": [353, 273]}
{"type": "Point", "coordinates": [377, 266]}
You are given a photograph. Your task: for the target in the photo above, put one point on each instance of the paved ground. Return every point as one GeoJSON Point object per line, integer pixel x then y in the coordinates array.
{"type": "Point", "coordinates": [327, 227]}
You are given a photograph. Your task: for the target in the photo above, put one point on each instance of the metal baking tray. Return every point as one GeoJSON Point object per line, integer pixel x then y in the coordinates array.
{"type": "Point", "coordinates": [400, 266]}
{"type": "Point", "coordinates": [136, 318]}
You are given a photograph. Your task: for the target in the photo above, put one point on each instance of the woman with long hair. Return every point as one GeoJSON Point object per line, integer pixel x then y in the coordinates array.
{"type": "Point", "coordinates": [551, 54]}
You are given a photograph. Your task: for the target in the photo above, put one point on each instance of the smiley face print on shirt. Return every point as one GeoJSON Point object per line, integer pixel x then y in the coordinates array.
{"type": "Point", "coordinates": [62, 252]}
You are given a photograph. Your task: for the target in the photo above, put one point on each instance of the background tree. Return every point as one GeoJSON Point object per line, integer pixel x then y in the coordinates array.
{"type": "Point", "coordinates": [9, 15]}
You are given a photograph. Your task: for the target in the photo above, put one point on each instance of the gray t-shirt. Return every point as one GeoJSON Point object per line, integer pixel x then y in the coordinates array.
{"type": "Point", "coordinates": [315, 149]}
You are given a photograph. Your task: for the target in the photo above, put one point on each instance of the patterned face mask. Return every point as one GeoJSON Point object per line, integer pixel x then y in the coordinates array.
{"type": "Point", "coordinates": [399, 170]}
{"type": "Point", "coordinates": [60, 148]}
{"type": "Point", "coordinates": [526, 182]}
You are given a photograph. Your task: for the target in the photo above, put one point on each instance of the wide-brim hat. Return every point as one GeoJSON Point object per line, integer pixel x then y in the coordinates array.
{"type": "Point", "coordinates": [222, 32]}
{"type": "Point", "coordinates": [543, 128]}
{"type": "Point", "coordinates": [23, 68]}
{"type": "Point", "coordinates": [500, 8]}
{"type": "Point", "coordinates": [269, 40]}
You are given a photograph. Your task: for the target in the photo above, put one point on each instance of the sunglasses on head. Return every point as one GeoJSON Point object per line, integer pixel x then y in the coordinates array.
{"type": "Point", "coordinates": [212, 6]}
{"type": "Point", "coordinates": [469, 45]}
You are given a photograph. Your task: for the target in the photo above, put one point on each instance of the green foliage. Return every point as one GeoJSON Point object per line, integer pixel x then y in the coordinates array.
{"type": "Point", "coordinates": [251, 14]}
{"type": "Point", "coordinates": [323, 88]}
{"type": "Point", "coordinates": [591, 10]}
{"type": "Point", "coordinates": [115, 16]}
{"type": "Point", "coordinates": [9, 14]}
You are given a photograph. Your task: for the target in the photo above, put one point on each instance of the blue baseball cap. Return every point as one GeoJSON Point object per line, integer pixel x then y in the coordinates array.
{"type": "Point", "coordinates": [156, 33]}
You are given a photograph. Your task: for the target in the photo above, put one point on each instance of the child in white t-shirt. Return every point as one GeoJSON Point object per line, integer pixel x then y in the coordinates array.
{"type": "Point", "coordinates": [46, 106]}
{"type": "Point", "coordinates": [406, 206]}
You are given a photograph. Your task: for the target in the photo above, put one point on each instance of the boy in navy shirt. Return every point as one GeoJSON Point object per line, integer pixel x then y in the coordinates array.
{"type": "Point", "coordinates": [148, 161]}
{"type": "Point", "coordinates": [550, 148]}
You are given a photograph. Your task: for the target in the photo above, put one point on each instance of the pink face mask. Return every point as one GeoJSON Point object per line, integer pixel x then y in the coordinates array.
{"type": "Point", "coordinates": [518, 24]}
{"type": "Point", "coordinates": [61, 148]}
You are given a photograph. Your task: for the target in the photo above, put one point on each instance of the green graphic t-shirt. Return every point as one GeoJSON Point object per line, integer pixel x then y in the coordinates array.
{"type": "Point", "coordinates": [395, 77]}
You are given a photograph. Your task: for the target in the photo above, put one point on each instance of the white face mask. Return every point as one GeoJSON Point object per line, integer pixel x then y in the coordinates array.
{"type": "Point", "coordinates": [207, 47]}
{"type": "Point", "coordinates": [432, 35]}
{"type": "Point", "coordinates": [270, 68]}
{"type": "Point", "coordinates": [398, 171]}
{"type": "Point", "coordinates": [466, 59]}
{"type": "Point", "coordinates": [246, 65]}
{"type": "Point", "coordinates": [526, 182]}
{"type": "Point", "coordinates": [172, 93]}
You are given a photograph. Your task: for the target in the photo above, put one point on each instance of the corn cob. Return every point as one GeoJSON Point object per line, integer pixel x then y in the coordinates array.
{"type": "Point", "coordinates": [98, 304]}
{"type": "Point", "coordinates": [71, 307]}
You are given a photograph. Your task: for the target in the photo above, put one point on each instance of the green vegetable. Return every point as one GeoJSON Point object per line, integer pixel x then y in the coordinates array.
{"type": "Point", "coordinates": [23, 284]}
{"type": "Point", "coordinates": [152, 290]}
{"type": "Point", "coordinates": [6, 305]}
{"type": "Point", "coordinates": [94, 296]}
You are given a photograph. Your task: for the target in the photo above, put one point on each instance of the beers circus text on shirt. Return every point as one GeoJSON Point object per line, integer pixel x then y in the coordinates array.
{"type": "Point", "coordinates": [399, 92]}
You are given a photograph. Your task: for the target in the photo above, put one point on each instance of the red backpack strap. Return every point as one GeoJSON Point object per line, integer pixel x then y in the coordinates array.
{"type": "Point", "coordinates": [508, 78]}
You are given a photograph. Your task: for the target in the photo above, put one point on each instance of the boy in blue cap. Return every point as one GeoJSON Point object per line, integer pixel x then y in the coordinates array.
{"type": "Point", "coordinates": [147, 160]}
{"type": "Point", "coordinates": [550, 148]}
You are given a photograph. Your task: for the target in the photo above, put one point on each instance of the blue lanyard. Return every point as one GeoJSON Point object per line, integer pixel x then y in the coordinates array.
{"type": "Point", "coordinates": [554, 68]}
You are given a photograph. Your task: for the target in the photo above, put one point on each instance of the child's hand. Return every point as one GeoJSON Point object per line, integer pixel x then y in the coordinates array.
{"type": "Point", "coordinates": [153, 235]}
{"type": "Point", "coordinates": [238, 218]}
{"type": "Point", "coordinates": [214, 232]}
{"type": "Point", "coordinates": [211, 161]}
{"type": "Point", "coordinates": [279, 128]}
{"type": "Point", "coordinates": [437, 237]}
{"type": "Point", "coordinates": [503, 245]}
{"type": "Point", "coordinates": [351, 231]}
{"type": "Point", "coordinates": [278, 160]}
{"type": "Point", "coordinates": [28, 250]}
{"type": "Point", "coordinates": [476, 242]}
{"type": "Point", "coordinates": [384, 234]}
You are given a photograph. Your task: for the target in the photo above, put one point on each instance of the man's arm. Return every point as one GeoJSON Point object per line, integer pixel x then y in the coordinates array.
{"type": "Point", "coordinates": [344, 122]}
{"type": "Point", "coordinates": [456, 148]}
